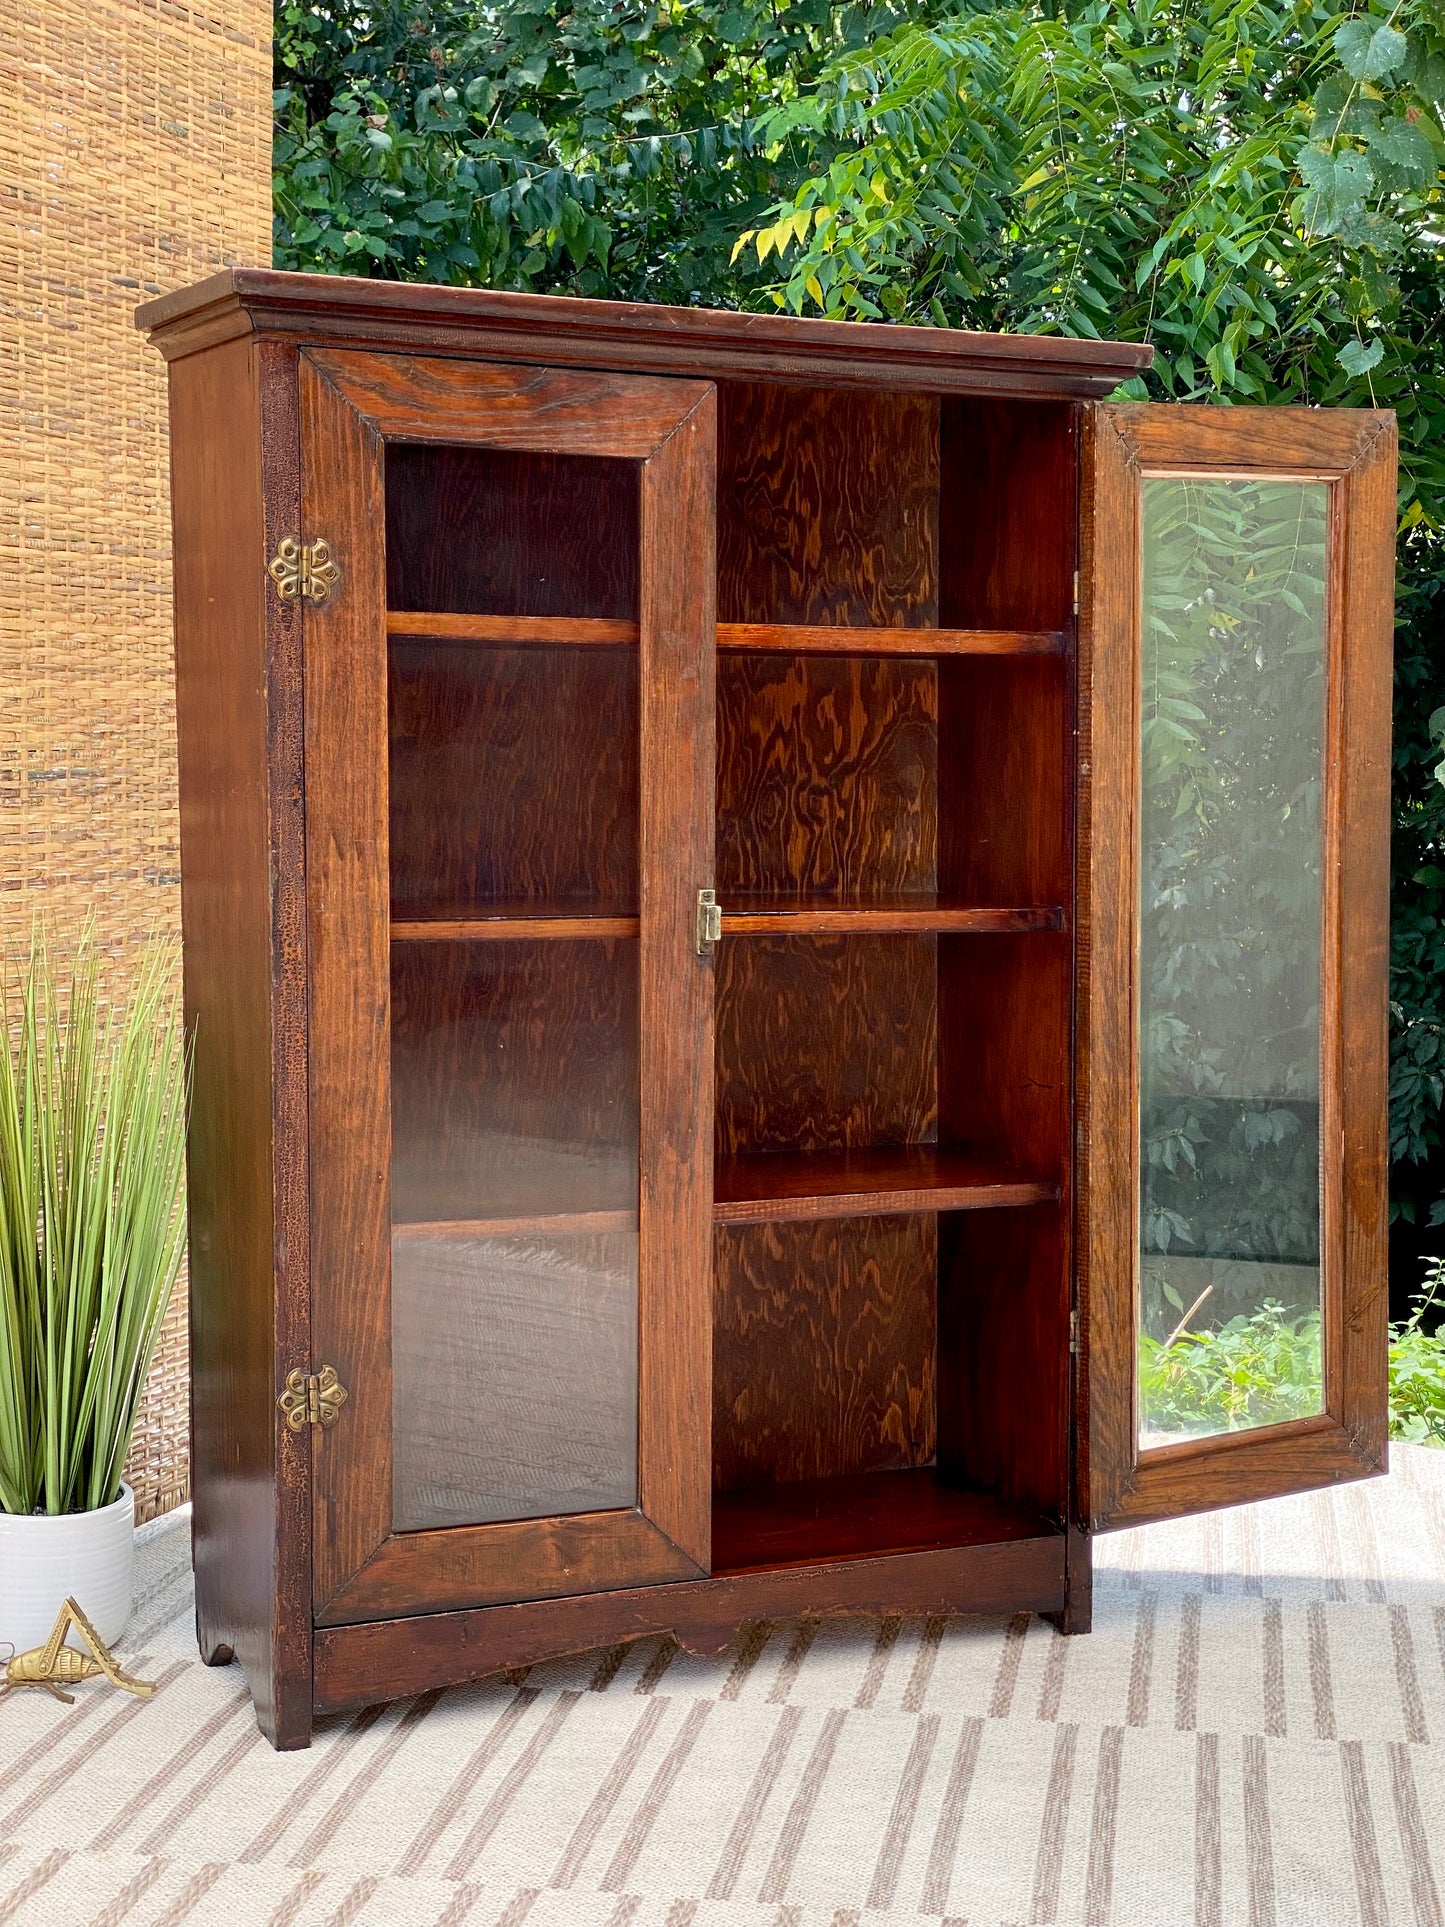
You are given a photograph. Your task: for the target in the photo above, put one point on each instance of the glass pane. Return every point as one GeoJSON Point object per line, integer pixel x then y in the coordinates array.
{"type": "Point", "coordinates": [1233, 726]}
{"type": "Point", "coordinates": [514, 758]}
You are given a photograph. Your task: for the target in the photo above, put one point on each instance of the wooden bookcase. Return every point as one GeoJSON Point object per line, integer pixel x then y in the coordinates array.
{"type": "Point", "coordinates": [684, 1265]}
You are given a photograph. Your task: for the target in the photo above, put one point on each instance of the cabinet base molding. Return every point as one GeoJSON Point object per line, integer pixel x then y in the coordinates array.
{"type": "Point", "coordinates": [391, 1658]}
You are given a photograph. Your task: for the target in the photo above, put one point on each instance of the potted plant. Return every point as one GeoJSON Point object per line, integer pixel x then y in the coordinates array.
{"type": "Point", "coordinates": [92, 1225]}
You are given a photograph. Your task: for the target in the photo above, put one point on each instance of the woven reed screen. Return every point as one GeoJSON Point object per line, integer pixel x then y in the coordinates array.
{"type": "Point", "coordinates": [135, 157]}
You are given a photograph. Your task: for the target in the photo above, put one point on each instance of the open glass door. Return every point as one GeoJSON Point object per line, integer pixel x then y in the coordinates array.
{"type": "Point", "coordinates": [509, 777]}
{"type": "Point", "coordinates": [1236, 629]}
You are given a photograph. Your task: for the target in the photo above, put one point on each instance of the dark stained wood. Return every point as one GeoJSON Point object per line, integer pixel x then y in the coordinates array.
{"type": "Point", "coordinates": [821, 1521]}
{"type": "Point", "coordinates": [503, 405]}
{"type": "Point", "coordinates": [618, 334]}
{"type": "Point", "coordinates": [513, 776]}
{"type": "Point", "coordinates": [828, 1045]}
{"type": "Point", "coordinates": [796, 639]}
{"type": "Point", "coordinates": [369, 1568]}
{"type": "Point", "coordinates": [676, 990]}
{"type": "Point", "coordinates": [533, 631]}
{"type": "Point", "coordinates": [487, 927]}
{"type": "Point", "coordinates": [1003, 1294]}
{"type": "Point", "coordinates": [823, 1347]}
{"type": "Point", "coordinates": [347, 886]}
{"type": "Point", "coordinates": [827, 775]}
{"type": "Point", "coordinates": [1355, 453]}
{"type": "Point", "coordinates": [1004, 1575]}
{"type": "Point", "coordinates": [1106, 911]}
{"type": "Point", "coordinates": [233, 480]}
{"type": "Point", "coordinates": [1007, 514]}
{"type": "Point", "coordinates": [440, 1571]}
{"type": "Point", "coordinates": [514, 1079]}
{"type": "Point", "coordinates": [559, 1223]}
{"type": "Point", "coordinates": [1004, 1082]}
{"type": "Point", "coordinates": [763, 1187]}
{"type": "Point", "coordinates": [827, 507]}
{"type": "Point", "coordinates": [781, 914]}
{"type": "Point", "coordinates": [1005, 781]}
{"type": "Point", "coordinates": [490, 532]}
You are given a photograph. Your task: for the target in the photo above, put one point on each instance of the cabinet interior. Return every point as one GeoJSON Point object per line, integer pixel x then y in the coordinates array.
{"type": "Point", "coordinates": [894, 862]}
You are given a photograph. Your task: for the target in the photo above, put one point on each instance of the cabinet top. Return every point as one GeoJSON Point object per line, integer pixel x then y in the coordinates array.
{"type": "Point", "coordinates": [629, 336]}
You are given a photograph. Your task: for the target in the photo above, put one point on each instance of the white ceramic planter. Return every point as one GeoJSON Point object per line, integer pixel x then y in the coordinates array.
{"type": "Point", "coordinates": [86, 1556]}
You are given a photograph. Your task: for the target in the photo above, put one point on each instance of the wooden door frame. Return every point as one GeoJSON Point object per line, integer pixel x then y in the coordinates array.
{"type": "Point", "coordinates": [1354, 452]}
{"type": "Point", "coordinates": [351, 404]}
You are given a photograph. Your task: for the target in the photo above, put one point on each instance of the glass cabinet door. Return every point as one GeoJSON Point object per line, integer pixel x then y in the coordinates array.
{"type": "Point", "coordinates": [1236, 637]}
{"type": "Point", "coordinates": [509, 795]}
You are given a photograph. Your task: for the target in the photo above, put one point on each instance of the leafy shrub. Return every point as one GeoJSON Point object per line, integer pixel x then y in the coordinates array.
{"type": "Point", "coordinates": [1265, 1368]}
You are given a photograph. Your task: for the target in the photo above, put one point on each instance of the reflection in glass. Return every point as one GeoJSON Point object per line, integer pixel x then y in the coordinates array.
{"type": "Point", "coordinates": [514, 1069]}
{"type": "Point", "coordinates": [1233, 725]}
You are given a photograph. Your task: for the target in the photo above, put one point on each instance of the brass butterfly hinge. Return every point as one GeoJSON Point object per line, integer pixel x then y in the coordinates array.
{"type": "Point", "coordinates": [312, 1398]}
{"type": "Point", "coordinates": [304, 571]}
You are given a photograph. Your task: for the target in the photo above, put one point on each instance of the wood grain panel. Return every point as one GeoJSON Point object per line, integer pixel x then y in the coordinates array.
{"type": "Point", "coordinates": [234, 494]}
{"type": "Point", "coordinates": [796, 638]}
{"type": "Point", "coordinates": [827, 507]}
{"type": "Point", "coordinates": [823, 1349]}
{"type": "Point", "coordinates": [874, 1516]}
{"type": "Point", "coordinates": [458, 1566]}
{"type": "Point", "coordinates": [767, 1186]}
{"type": "Point", "coordinates": [676, 992]}
{"type": "Point", "coordinates": [1008, 514]}
{"type": "Point", "coordinates": [1003, 1354]}
{"type": "Point", "coordinates": [535, 631]}
{"type": "Point", "coordinates": [1004, 1082]}
{"type": "Point", "coordinates": [418, 398]}
{"type": "Point", "coordinates": [347, 895]}
{"type": "Point", "coordinates": [827, 775]}
{"type": "Point", "coordinates": [621, 334]}
{"type": "Point", "coordinates": [826, 1045]}
{"type": "Point", "coordinates": [495, 532]}
{"type": "Point", "coordinates": [998, 1575]}
{"type": "Point", "coordinates": [513, 776]}
{"type": "Point", "coordinates": [1005, 780]}
{"type": "Point", "coordinates": [780, 914]}
{"type": "Point", "coordinates": [515, 1077]}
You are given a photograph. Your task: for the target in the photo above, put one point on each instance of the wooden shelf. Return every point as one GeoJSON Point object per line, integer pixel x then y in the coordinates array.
{"type": "Point", "coordinates": [819, 916]}
{"type": "Point", "coordinates": [788, 638]}
{"type": "Point", "coordinates": [524, 631]}
{"type": "Point", "coordinates": [509, 922]}
{"type": "Point", "coordinates": [819, 1521]}
{"type": "Point", "coordinates": [560, 1224]}
{"type": "Point", "coordinates": [764, 1187]}
{"type": "Point", "coordinates": [813, 639]}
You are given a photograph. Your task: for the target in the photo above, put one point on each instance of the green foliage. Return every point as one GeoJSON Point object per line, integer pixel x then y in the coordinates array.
{"type": "Point", "coordinates": [1417, 1366]}
{"type": "Point", "coordinates": [1253, 186]}
{"type": "Point", "coordinates": [92, 1222]}
{"type": "Point", "coordinates": [1264, 1368]}
{"type": "Point", "coordinates": [1260, 1368]}
{"type": "Point", "coordinates": [595, 147]}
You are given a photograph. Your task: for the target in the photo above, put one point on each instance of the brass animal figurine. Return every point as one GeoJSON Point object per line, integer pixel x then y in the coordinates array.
{"type": "Point", "coordinates": [55, 1663]}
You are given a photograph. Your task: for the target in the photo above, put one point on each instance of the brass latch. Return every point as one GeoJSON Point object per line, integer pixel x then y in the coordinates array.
{"type": "Point", "coordinates": [709, 921]}
{"type": "Point", "coordinates": [304, 571]}
{"type": "Point", "coordinates": [312, 1398]}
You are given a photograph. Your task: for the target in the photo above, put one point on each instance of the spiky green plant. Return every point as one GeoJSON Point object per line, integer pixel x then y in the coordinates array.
{"type": "Point", "coordinates": [92, 1218]}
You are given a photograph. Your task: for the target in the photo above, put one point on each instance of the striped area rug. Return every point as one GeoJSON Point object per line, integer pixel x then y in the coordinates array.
{"type": "Point", "coordinates": [1252, 1737]}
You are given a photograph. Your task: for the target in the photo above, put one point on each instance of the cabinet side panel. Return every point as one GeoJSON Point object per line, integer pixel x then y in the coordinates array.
{"type": "Point", "coordinates": [227, 916]}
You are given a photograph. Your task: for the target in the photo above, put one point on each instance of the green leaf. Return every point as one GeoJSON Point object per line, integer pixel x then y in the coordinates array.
{"type": "Point", "coordinates": [1359, 357]}
{"type": "Point", "coordinates": [1368, 51]}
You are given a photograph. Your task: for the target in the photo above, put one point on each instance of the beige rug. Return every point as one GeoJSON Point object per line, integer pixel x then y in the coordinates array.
{"type": "Point", "coordinates": [1254, 1736]}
